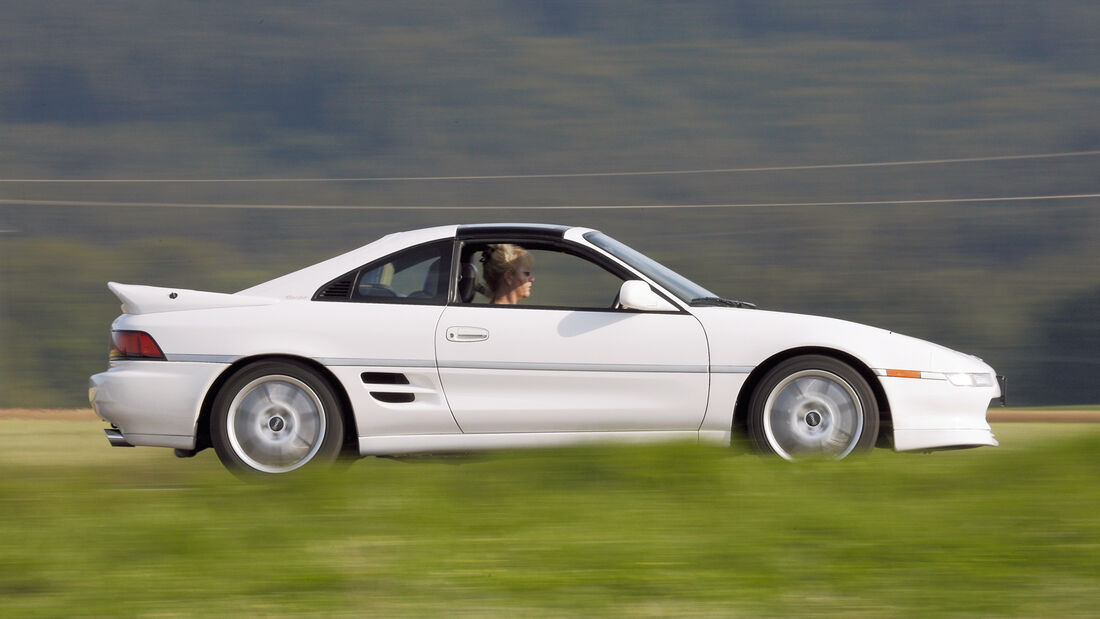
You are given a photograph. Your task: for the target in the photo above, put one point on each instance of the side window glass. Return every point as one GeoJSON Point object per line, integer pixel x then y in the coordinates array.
{"type": "Point", "coordinates": [544, 277]}
{"type": "Point", "coordinates": [417, 275]}
{"type": "Point", "coordinates": [565, 280]}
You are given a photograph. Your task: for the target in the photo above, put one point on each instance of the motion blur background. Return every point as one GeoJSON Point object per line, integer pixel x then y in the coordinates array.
{"type": "Point", "coordinates": [178, 92]}
{"type": "Point", "coordinates": [134, 102]}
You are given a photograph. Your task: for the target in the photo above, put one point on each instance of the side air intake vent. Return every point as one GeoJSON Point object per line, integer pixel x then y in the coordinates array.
{"type": "Point", "coordinates": [396, 396]}
{"type": "Point", "coordinates": [392, 398]}
{"type": "Point", "coordinates": [384, 378]}
{"type": "Point", "coordinates": [337, 290]}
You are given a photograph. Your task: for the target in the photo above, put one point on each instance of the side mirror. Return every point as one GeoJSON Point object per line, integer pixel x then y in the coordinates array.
{"type": "Point", "coordinates": [636, 294]}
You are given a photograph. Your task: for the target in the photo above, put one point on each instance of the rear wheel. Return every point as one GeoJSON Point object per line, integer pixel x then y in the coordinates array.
{"type": "Point", "coordinates": [273, 417]}
{"type": "Point", "coordinates": [813, 406]}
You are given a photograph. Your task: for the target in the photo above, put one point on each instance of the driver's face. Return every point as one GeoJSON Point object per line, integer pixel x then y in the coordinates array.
{"type": "Point", "coordinates": [522, 278]}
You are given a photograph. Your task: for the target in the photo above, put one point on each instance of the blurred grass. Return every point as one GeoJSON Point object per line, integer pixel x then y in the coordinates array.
{"type": "Point", "coordinates": [650, 531]}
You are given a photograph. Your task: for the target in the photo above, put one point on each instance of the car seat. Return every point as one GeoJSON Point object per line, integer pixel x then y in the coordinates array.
{"type": "Point", "coordinates": [467, 282]}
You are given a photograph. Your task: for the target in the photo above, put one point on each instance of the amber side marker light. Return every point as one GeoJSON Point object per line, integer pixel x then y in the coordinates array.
{"type": "Point", "coordinates": [903, 373]}
{"type": "Point", "coordinates": [131, 345]}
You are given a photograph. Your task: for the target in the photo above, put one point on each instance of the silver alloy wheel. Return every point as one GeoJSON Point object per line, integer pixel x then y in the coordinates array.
{"type": "Point", "coordinates": [276, 424]}
{"type": "Point", "coordinates": [813, 413]}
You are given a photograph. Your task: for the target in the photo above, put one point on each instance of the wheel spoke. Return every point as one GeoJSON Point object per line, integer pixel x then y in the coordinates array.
{"type": "Point", "coordinates": [250, 443]}
{"type": "Point", "coordinates": [786, 401]}
{"type": "Point", "coordinates": [813, 386]}
{"type": "Point", "coordinates": [299, 401]}
{"type": "Point", "coordinates": [282, 393]}
{"type": "Point", "coordinates": [252, 403]}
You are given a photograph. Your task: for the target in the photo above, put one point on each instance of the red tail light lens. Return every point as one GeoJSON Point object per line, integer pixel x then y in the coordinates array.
{"type": "Point", "coordinates": [128, 345]}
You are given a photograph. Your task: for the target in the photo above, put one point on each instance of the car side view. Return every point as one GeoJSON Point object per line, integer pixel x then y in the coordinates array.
{"type": "Point", "coordinates": [472, 337]}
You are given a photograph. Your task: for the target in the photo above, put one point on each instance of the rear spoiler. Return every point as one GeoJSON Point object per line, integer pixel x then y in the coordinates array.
{"type": "Point", "coordinates": [152, 299]}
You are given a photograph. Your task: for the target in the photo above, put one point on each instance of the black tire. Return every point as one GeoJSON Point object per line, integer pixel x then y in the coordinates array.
{"type": "Point", "coordinates": [813, 406]}
{"type": "Point", "coordinates": [274, 417]}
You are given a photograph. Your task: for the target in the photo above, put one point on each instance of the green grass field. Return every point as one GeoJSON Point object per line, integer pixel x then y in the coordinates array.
{"type": "Point", "coordinates": [650, 531]}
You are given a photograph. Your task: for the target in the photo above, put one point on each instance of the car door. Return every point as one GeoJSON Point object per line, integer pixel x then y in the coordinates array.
{"type": "Point", "coordinates": [566, 360]}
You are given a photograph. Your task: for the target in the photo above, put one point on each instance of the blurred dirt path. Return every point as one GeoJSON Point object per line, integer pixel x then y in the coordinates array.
{"type": "Point", "coordinates": [995, 415]}
{"type": "Point", "coordinates": [49, 414]}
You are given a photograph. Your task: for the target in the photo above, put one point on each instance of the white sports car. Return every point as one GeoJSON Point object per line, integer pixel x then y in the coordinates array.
{"type": "Point", "coordinates": [421, 342]}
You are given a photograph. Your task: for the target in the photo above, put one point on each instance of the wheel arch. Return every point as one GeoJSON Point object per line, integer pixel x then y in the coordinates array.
{"type": "Point", "coordinates": [741, 408]}
{"type": "Point", "coordinates": [351, 436]}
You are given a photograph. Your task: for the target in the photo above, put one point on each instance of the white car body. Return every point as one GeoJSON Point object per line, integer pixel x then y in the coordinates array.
{"type": "Point", "coordinates": [481, 376]}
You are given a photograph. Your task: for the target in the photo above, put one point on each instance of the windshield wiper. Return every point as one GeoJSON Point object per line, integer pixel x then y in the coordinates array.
{"type": "Point", "coordinates": [720, 302]}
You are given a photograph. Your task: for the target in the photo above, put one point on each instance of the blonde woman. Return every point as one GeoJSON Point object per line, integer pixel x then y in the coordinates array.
{"type": "Point", "coordinates": [507, 273]}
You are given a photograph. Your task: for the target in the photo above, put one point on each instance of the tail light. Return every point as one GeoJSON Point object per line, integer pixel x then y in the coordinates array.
{"type": "Point", "coordinates": [129, 345]}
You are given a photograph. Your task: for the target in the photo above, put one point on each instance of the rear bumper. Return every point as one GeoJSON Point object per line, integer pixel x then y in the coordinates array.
{"type": "Point", "coordinates": [153, 403]}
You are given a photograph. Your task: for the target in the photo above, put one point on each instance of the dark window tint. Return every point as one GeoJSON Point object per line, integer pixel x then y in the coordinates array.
{"type": "Point", "coordinates": [416, 275]}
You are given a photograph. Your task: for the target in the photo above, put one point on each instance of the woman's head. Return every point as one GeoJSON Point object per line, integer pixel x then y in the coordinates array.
{"type": "Point", "coordinates": [508, 272]}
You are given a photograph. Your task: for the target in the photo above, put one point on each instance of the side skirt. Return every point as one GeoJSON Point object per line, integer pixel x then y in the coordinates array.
{"type": "Point", "coordinates": [452, 443]}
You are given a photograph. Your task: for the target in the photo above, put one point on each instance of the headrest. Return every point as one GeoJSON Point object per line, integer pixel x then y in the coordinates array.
{"type": "Point", "coordinates": [467, 281]}
{"type": "Point", "coordinates": [432, 280]}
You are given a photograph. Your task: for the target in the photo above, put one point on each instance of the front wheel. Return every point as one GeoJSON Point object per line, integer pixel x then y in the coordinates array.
{"type": "Point", "coordinates": [273, 417]}
{"type": "Point", "coordinates": [813, 406]}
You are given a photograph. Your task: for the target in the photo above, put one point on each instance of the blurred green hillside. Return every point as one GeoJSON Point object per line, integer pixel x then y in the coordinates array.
{"type": "Point", "coordinates": [286, 90]}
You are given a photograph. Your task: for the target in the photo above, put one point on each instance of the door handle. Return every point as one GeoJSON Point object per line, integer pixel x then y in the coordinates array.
{"type": "Point", "coordinates": [467, 334]}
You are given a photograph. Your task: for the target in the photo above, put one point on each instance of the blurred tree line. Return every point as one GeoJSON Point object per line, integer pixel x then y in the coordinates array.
{"type": "Point", "coordinates": [196, 90]}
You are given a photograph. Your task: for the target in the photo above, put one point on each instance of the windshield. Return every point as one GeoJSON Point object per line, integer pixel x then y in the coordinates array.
{"type": "Point", "coordinates": [685, 289]}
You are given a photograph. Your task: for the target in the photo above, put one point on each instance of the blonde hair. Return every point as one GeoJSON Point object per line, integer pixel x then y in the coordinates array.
{"type": "Point", "coordinates": [499, 259]}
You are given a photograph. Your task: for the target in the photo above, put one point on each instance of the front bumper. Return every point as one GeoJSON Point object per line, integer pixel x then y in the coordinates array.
{"type": "Point", "coordinates": [153, 403]}
{"type": "Point", "coordinates": [934, 414]}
